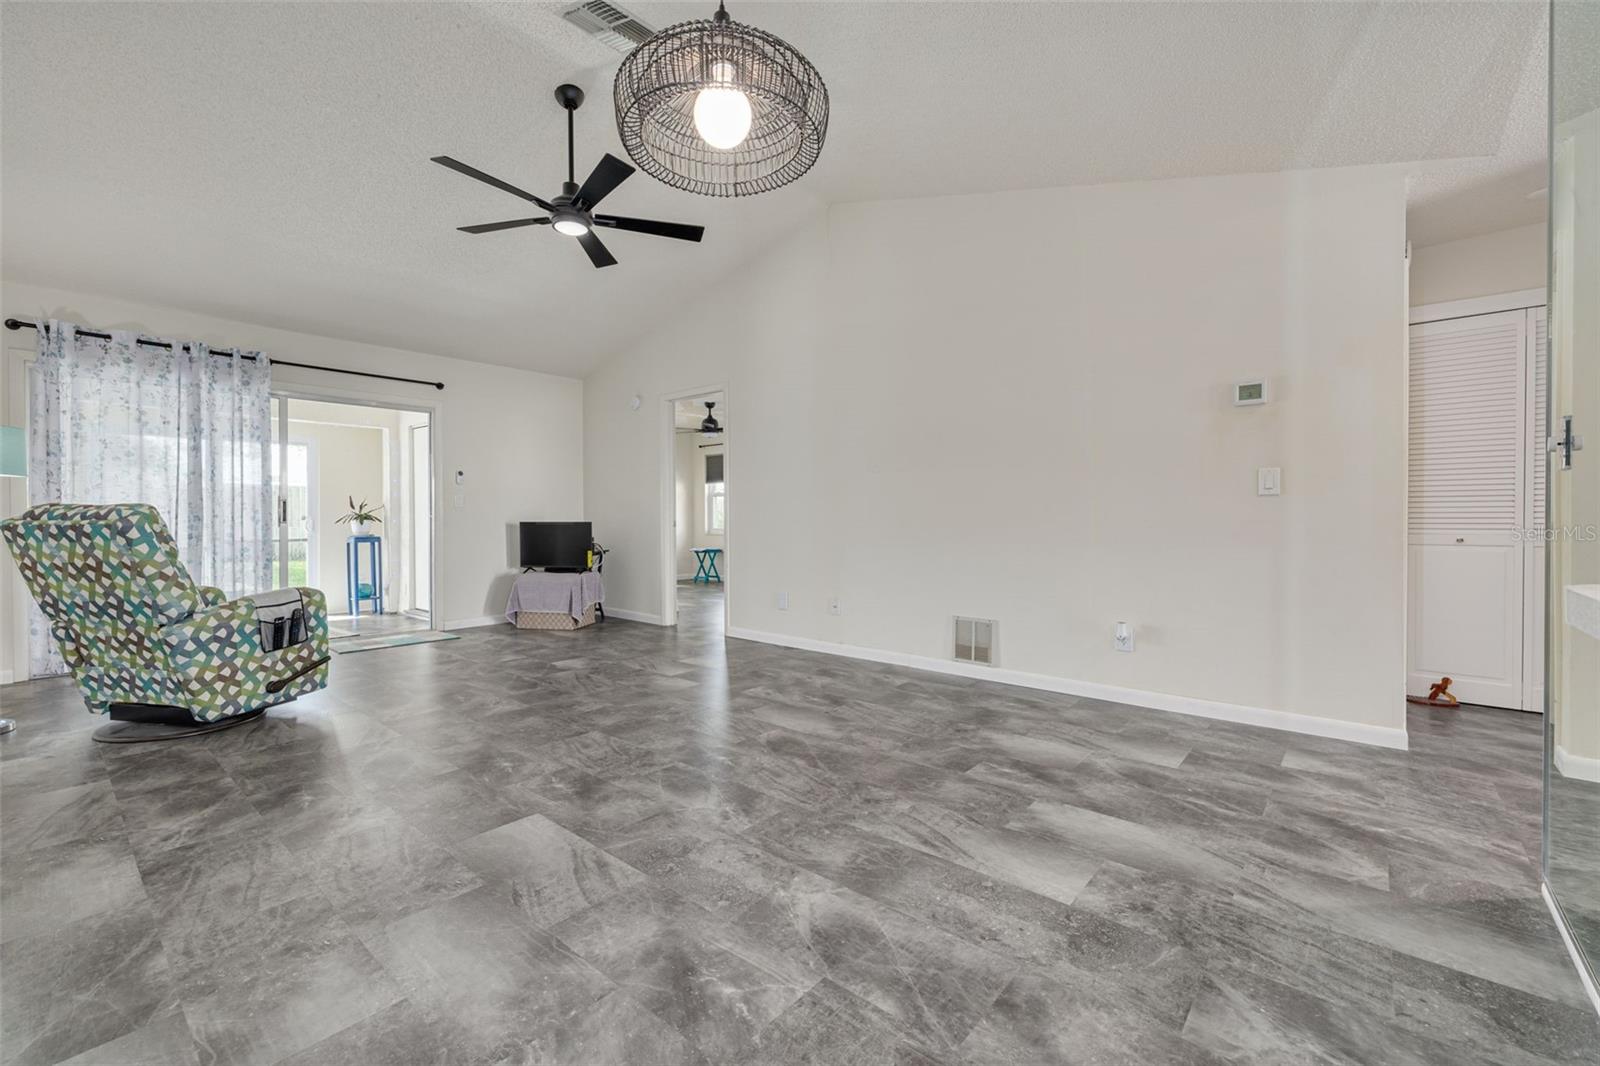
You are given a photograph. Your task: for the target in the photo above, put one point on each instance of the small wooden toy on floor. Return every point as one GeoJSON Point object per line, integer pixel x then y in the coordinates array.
{"type": "Point", "coordinates": [1438, 696]}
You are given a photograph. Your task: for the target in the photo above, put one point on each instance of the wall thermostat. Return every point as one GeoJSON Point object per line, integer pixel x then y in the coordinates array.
{"type": "Point", "coordinates": [1249, 393]}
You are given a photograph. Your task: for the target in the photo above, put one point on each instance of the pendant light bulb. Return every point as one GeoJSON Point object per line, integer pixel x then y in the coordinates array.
{"type": "Point", "coordinates": [722, 114]}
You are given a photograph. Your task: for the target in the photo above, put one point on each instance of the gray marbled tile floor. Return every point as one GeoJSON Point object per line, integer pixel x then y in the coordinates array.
{"type": "Point", "coordinates": [639, 845]}
{"type": "Point", "coordinates": [373, 625]}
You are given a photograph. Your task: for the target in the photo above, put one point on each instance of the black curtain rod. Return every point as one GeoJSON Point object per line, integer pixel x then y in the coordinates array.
{"type": "Point", "coordinates": [17, 323]}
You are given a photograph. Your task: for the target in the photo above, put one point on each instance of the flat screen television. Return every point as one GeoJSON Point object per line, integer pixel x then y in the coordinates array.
{"type": "Point", "coordinates": [556, 545]}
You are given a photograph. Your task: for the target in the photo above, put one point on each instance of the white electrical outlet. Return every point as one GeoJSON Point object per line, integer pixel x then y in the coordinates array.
{"type": "Point", "coordinates": [783, 601]}
{"type": "Point", "coordinates": [1122, 636]}
{"type": "Point", "coordinates": [833, 605]}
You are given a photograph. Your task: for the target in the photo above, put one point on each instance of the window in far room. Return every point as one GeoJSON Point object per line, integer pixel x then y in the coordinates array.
{"type": "Point", "coordinates": [716, 496]}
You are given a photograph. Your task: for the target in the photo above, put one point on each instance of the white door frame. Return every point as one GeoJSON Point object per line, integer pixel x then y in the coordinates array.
{"type": "Point", "coordinates": [1520, 300]}
{"type": "Point", "coordinates": [357, 398]}
{"type": "Point", "coordinates": [411, 562]}
{"type": "Point", "coordinates": [668, 550]}
{"type": "Point", "coordinates": [1535, 552]}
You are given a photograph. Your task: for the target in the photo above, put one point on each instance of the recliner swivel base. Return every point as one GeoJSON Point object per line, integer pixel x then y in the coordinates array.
{"type": "Point", "coordinates": [138, 723]}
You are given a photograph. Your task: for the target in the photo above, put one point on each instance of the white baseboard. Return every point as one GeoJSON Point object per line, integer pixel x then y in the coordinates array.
{"type": "Point", "coordinates": [473, 623]}
{"type": "Point", "coordinates": [1380, 736]}
{"type": "Point", "coordinates": [500, 619]}
{"type": "Point", "coordinates": [634, 616]}
{"type": "Point", "coordinates": [685, 577]}
{"type": "Point", "coordinates": [1572, 948]}
{"type": "Point", "coordinates": [1577, 767]}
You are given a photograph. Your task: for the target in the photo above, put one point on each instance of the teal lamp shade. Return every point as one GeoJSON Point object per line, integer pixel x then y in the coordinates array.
{"type": "Point", "coordinates": [13, 452]}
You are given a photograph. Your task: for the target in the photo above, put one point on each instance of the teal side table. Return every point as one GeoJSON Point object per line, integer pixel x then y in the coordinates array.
{"type": "Point", "coordinates": [707, 571]}
{"type": "Point", "coordinates": [357, 591]}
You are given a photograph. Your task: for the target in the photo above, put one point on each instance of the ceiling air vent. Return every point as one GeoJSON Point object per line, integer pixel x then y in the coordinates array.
{"type": "Point", "coordinates": [613, 26]}
{"type": "Point", "coordinates": [975, 640]}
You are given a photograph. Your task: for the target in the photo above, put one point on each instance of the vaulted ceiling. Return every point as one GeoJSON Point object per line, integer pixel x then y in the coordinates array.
{"type": "Point", "coordinates": [269, 162]}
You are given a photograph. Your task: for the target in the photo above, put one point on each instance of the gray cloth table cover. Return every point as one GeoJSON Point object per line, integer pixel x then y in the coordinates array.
{"type": "Point", "coordinates": [537, 590]}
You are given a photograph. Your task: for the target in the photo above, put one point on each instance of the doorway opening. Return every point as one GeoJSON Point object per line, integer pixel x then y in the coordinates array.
{"type": "Point", "coordinates": [332, 458]}
{"type": "Point", "coordinates": [1476, 553]}
{"type": "Point", "coordinates": [698, 558]}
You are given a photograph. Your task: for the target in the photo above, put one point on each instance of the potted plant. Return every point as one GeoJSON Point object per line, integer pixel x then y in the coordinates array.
{"type": "Point", "coordinates": [361, 517]}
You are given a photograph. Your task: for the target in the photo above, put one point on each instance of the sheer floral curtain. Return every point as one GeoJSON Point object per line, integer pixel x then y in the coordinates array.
{"type": "Point", "coordinates": [188, 430]}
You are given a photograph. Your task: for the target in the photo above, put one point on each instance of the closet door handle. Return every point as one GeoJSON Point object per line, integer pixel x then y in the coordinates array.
{"type": "Point", "coordinates": [1567, 443]}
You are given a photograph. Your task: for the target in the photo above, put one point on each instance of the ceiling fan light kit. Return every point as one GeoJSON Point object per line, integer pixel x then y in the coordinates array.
{"type": "Point", "coordinates": [719, 108]}
{"type": "Point", "coordinates": [571, 213]}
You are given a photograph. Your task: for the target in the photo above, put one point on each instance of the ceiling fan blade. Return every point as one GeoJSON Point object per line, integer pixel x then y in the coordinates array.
{"type": "Point", "coordinates": [606, 175]}
{"type": "Point", "coordinates": [676, 230]}
{"type": "Point", "coordinates": [473, 172]}
{"type": "Point", "coordinates": [490, 227]}
{"type": "Point", "coordinates": [597, 251]}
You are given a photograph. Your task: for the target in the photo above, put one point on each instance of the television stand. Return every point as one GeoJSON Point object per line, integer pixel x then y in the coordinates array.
{"type": "Point", "coordinates": [549, 600]}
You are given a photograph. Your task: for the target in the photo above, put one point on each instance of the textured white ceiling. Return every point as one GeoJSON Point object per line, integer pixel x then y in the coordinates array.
{"type": "Point", "coordinates": [269, 161]}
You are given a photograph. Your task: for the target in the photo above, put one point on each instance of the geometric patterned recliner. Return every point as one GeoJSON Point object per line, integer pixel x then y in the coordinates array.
{"type": "Point", "coordinates": [138, 632]}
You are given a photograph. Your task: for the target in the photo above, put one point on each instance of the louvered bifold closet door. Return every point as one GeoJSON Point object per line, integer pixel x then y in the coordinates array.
{"type": "Point", "coordinates": [1469, 389]}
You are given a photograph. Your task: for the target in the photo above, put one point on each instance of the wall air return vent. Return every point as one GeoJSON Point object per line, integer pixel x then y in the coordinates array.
{"type": "Point", "coordinates": [975, 640]}
{"type": "Point", "coordinates": [613, 26]}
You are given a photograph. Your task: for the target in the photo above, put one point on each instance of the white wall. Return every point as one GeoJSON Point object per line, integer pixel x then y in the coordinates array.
{"type": "Point", "coordinates": [1031, 422]}
{"type": "Point", "coordinates": [1507, 260]}
{"type": "Point", "coordinates": [517, 435]}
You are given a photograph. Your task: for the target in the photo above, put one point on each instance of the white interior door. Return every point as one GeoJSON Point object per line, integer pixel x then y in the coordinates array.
{"type": "Point", "coordinates": [1470, 436]}
{"type": "Point", "coordinates": [421, 518]}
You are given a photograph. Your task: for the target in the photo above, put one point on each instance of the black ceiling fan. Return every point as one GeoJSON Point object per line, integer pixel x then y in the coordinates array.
{"type": "Point", "coordinates": [572, 212]}
{"type": "Point", "coordinates": [710, 424]}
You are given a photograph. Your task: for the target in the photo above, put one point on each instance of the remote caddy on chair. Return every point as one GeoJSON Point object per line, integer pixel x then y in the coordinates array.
{"type": "Point", "coordinates": [158, 654]}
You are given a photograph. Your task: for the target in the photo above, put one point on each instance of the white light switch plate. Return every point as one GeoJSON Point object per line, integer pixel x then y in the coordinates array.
{"type": "Point", "coordinates": [1269, 481]}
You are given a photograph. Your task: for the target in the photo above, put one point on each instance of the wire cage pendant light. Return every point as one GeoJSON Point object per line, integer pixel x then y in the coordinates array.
{"type": "Point", "coordinates": [697, 84]}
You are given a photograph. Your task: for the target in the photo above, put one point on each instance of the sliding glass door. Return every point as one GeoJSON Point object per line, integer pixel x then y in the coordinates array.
{"type": "Point", "coordinates": [293, 470]}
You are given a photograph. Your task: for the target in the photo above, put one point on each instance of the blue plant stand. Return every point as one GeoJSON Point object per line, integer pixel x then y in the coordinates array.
{"type": "Point", "coordinates": [357, 591]}
{"type": "Point", "coordinates": [708, 565]}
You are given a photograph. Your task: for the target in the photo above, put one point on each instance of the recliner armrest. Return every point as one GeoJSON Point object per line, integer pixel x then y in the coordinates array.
{"type": "Point", "coordinates": [222, 663]}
